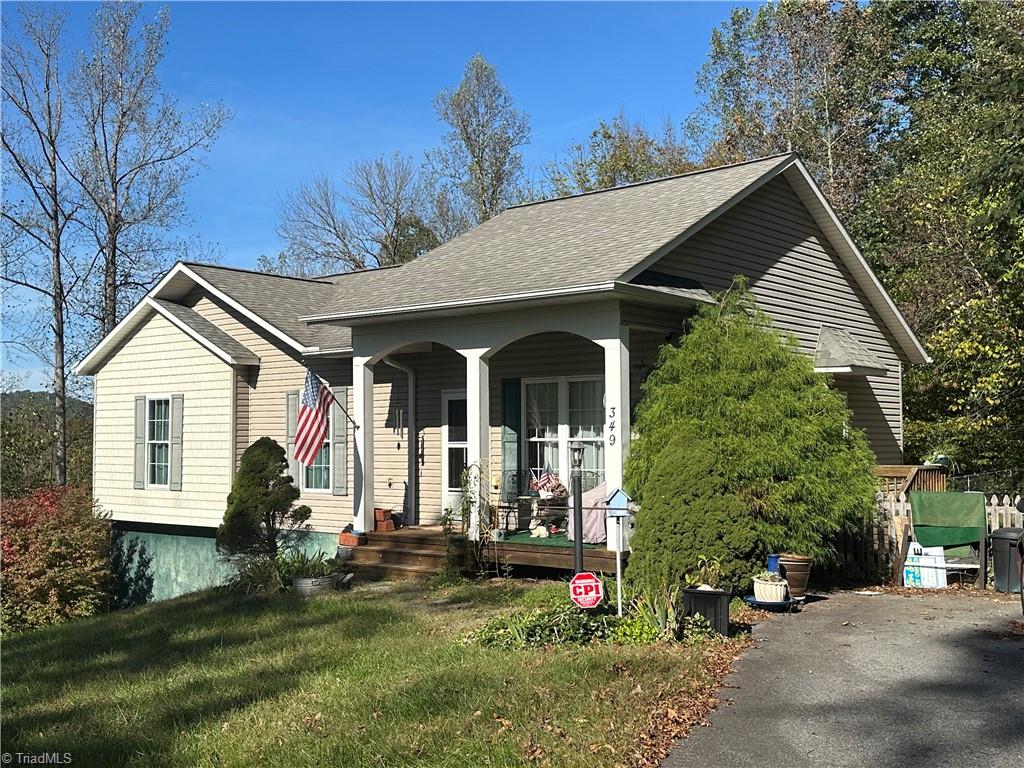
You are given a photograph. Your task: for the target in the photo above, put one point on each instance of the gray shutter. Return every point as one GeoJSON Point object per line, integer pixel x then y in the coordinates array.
{"type": "Point", "coordinates": [511, 424]}
{"type": "Point", "coordinates": [140, 441]}
{"type": "Point", "coordinates": [291, 421]}
{"type": "Point", "coordinates": [339, 441]}
{"type": "Point", "coordinates": [177, 422]}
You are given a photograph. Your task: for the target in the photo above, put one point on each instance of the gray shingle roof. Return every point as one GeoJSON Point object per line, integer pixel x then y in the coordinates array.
{"type": "Point", "coordinates": [218, 338]}
{"type": "Point", "coordinates": [564, 243]}
{"type": "Point", "coordinates": [837, 348]}
{"type": "Point", "coordinates": [281, 301]}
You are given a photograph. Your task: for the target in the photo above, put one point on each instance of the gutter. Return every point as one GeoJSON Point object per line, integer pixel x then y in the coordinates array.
{"type": "Point", "coordinates": [412, 437]}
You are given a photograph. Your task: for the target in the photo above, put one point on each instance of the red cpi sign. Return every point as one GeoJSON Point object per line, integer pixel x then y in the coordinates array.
{"type": "Point", "coordinates": [586, 590]}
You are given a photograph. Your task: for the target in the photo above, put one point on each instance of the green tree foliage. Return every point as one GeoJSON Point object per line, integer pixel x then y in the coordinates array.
{"type": "Point", "coordinates": [618, 152]}
{"type": "Point", "coordinates": [741, 450]}
{"type": "Point", "coordinates": [55, 562]}
{"type": "Point", "coordinates": [29, 442]}
{"type": "Point", "coordinates": [261, 517]}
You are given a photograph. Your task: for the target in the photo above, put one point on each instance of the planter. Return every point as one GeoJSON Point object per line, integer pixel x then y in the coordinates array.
{"type": "Point", "coordinates": [712, 604]}
{"type": "Point", "coordinates": [304, 587]}
{"type": "Point", "coordinates": [796, 570]}
{"type": "Point", "coordinates": [769, 591]}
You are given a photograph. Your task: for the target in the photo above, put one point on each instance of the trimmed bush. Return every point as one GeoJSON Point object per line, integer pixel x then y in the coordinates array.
{"type": "Point", "coordinates": [261, 518]}
{"type": "Point", "coordinates": [741, 450]}
{"type": "Point", "coordinates": [55, 559]}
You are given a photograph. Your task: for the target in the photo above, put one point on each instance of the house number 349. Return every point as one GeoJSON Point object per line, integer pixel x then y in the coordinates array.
{"type": "Point", "coordinates": [611, 426]}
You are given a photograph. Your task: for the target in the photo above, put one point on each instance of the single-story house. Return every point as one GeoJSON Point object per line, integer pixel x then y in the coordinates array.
{"type": "Point", "coordinates": [497, 350]}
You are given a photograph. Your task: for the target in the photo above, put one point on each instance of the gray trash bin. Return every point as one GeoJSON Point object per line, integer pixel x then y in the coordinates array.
{"type": "Point", "coordinates": [1006, 559]}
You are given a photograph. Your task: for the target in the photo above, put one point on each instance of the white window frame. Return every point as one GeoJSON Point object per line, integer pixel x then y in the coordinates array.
{"type": "Point", "coordinates": [149, 442]}
{"type": "Point", "coordinates": [564, 440]}
{"type": "Point", "coordinates": [451, 497]}
{"type": "Point", "coordinates": [328, 441]}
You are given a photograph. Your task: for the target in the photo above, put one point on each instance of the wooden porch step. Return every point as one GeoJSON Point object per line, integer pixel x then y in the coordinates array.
{"type": "Point", "coordinates": [389, 571]}
{"type": "Point", "coordinates": [405, 538]}
{"type": "Point", "coordinates": [432, 557]}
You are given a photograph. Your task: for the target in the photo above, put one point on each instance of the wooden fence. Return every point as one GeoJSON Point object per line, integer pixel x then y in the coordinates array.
{"type": "Point", "coordinates": [870, 553]}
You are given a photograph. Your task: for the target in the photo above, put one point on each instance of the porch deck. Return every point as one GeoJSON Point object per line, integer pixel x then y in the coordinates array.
{"type": "Point", "coordinates": [420, 551]}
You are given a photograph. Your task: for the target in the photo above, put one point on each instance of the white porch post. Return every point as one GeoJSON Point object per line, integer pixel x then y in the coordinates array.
{"type": "Point", "coordinates": [616, 399]}
{"type": "Point", "coordinates": [362, 407]}
{"type": "Point", "coordinates": [478, 413]}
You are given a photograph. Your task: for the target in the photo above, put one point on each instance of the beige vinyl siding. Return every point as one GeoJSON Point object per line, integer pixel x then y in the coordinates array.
{"type": "Point", "coordinates": [801, 283]}
{"type": "Point", "coordinates": [241, 411]}
{"type": "Point", "coordinates": [160, 360]}
{"type": "Point", "coordinates": [281, 371]}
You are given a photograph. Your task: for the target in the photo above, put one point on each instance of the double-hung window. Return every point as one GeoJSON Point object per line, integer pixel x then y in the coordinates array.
{"type": "Point", "coordinates": [558, 413]}
{"type": "Point", "coordinates": [158, 445]}
{"type": "Point", "coordinates": [317, 476]}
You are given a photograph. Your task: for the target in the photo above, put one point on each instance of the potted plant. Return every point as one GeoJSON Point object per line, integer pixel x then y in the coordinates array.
{"type": "Point", "coordinates": [702, 595]}
{"type": "Point", "coordinates": [769, 587]}
{"type": "Point", "coordinates": [796, 570]}
{"type": "Point", "coordinates": [312, 575]}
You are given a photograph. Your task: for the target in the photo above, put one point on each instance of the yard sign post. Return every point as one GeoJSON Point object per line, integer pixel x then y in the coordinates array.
{"type": "Point", "coordinates": [618, 511]}
{"type": "Point", "coordinates": [577, 505]}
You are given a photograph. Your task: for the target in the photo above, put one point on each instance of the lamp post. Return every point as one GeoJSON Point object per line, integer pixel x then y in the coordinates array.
{"type": "Point", "coordinates": [577, 503]}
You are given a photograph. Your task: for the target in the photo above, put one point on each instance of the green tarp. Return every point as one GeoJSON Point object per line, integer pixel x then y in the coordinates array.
{"type": "Point", "coordinates": [943, 519]}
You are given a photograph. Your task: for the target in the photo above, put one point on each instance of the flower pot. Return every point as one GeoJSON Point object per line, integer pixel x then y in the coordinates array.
{"type": "Point", "coordinates": [305, 587]}
{"type": "Point", "coordinates": [769, 591]}
{"type": "Point", "coordinates": [712, 604]}
{"type": "Point", "coordinates": [796, 570]}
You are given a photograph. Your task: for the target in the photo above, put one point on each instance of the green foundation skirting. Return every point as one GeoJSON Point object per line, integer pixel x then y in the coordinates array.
{"type": "Point", "coordinates": [184, 559]}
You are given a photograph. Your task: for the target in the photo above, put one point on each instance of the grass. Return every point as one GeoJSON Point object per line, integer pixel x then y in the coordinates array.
{"type": "Point", "coordinates": [373, 677]}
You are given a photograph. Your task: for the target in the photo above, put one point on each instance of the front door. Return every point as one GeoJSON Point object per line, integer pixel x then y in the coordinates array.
{"type": "Point", "coordinates": [454, 433]}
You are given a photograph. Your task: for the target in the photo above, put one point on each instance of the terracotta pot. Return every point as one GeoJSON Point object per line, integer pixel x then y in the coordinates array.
{"type": "Point", "coordinates": [796, 570]}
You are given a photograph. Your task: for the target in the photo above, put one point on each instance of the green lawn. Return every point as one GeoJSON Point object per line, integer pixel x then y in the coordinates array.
{"type": "Point", "coordinates": [365, 678]}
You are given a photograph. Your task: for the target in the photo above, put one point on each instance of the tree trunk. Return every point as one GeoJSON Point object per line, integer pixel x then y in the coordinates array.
{"type": "Point", "coordinates": [109, 319]}
{"type": "Point", "coordinates": [60, 436]}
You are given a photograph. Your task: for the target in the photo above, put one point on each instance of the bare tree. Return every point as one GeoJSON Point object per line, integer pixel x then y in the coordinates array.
{"type": "Point", "coordinates": [39, 206]}
{"type": "Point", "coordinates": [137, 151]}
{"type": "Point", "coordinates": [479, 158]}
{"type": "Point", "coordinates": [376, 221]}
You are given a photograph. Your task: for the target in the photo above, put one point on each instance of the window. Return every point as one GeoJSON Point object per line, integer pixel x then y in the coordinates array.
{"type": "Point", "coordinates": [458, 431]}
{"type": "Point", "coordinates": [557, 413]}
{"type": "Point", "coordinates": [158, 446]}
{"type": "Point", "coordinates": [317, 476]}
{"type": "Point", "coordinates": [542, 445]}
{"type": "Point", "coordinates": [586, 423]}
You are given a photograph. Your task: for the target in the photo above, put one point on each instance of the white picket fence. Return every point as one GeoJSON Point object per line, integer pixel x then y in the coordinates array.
{"type": "Point", "coordinates": [1002, 512]}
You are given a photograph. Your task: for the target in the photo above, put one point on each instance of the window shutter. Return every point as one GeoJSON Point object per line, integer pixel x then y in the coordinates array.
{"type": "Point", "coordinates": [291, 421]}
{"type": "Point", "coordinates": [140, 441]}
{"type": "Point", "coordinates": [339, 441]}
{"type": "Point", "coordinates": [177, 422]}
{"type": "Point", "coordinates": [511, 424]}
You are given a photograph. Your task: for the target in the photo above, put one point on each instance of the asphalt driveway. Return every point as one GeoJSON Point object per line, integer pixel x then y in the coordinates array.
{"type": "Point", "coordinates": [874, 681]}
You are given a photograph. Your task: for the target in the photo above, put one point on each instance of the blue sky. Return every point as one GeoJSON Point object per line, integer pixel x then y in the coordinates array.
{"type": "Point", "coordinates": [315, 86]}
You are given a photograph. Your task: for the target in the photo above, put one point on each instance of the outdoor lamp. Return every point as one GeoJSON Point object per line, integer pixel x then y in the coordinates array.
{"type": "Point", "coordinates": [577, 455]}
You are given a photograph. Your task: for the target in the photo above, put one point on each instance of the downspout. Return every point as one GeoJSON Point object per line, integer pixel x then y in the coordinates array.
{"type": "Point", "coordinates": [412, 436]}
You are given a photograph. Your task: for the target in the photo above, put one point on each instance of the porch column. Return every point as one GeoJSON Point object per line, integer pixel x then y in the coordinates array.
{"type": "Point", "coordinates": [478, 417]}
{"type": "Point", "coordinates": [362, 407]}
{"type": "Point", "coordinates": [616, 401]}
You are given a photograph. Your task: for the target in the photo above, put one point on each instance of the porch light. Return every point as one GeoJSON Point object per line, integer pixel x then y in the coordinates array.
{"type": "Point", "coordinates": [577, 455]}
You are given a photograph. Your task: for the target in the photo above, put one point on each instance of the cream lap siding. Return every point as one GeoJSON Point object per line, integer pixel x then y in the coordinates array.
{"type": "Point", "coordinates": [801, 284]}
{"type": "Point", "coordinates": [281, 371]}
{"type": "Point", "coordinates": [241, 428]}
{"type": "Point", "coordinates": [160, 360]}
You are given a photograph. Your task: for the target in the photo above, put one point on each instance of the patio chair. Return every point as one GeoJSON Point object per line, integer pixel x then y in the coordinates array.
{"type": "Point", "coordinates": [957, 523]}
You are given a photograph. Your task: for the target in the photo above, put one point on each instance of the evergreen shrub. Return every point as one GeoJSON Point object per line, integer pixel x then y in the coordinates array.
{"type": "Point", "coordinates": [741, 450]}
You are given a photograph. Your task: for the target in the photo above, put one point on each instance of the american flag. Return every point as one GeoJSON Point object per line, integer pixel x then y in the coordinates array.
{"type": "Point", "coordinates": [314, 407]}
{"type": "Point", "coordinates": [545, 482]}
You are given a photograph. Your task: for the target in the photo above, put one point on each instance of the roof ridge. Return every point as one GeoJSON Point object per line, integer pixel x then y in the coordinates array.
{"type": "Point", "coordinates": [655, 181]}
{"type": "Point", "coordinates": [359, 271]}
{"type": "Point", "coordinates": [317, 280]}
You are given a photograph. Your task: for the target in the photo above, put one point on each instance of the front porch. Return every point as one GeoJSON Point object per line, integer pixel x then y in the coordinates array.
{"type": "Point", "coordinates": [460, 413]}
